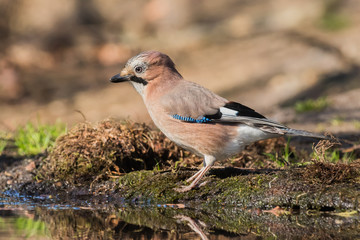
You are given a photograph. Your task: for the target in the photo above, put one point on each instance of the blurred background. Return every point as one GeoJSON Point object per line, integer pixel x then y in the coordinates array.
{"type": "Point", "coordinates": [296, 61]}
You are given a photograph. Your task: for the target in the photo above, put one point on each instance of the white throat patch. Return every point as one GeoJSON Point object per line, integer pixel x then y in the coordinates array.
{"type": "Point", "coordinates": [139, 87]}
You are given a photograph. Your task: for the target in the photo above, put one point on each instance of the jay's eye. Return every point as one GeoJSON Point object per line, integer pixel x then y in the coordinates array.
{"type": "Point", "coordinates": [138, 69]}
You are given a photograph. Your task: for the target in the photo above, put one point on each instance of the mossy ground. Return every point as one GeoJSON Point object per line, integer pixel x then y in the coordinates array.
{"type": "Point", "coordinates": [134, 162]}
{"type": "Point", "coordinates": [247, 189]}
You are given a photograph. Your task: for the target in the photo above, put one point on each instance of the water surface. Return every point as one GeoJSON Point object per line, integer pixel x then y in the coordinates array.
{"type": "Point", "coordinates": [45, 217]}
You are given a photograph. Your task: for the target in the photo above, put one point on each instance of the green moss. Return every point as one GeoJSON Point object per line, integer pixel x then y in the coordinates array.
{"type": "Point", "coordinates": [150, 185]}
{"type": "Point", "coordinates": [289, 188]}
{"type": "Point", "coordinates": [234, 206]}
{"type": "Point", "coordinates": [134, 178]}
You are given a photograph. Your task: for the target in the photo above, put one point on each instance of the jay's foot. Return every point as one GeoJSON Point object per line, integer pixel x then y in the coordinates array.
{"type": "Point", "coordinates": [188, 188]}
{"type": "Point", "coordinates": [184, 188]}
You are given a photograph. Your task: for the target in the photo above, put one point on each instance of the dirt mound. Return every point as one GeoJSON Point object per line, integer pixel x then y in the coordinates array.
{"type": "Point", "coordinates": [108, 149]}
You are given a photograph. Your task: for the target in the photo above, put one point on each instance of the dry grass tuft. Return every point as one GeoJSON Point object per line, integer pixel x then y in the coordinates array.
{"type": "Point", "coordinates": [108, 149]}
{"type": "Point", "coordinates": [324, 172]}
{"type": "Point", "coordinates": [329, 173]}
{"type": "Point", "coordinates": [321, 148]}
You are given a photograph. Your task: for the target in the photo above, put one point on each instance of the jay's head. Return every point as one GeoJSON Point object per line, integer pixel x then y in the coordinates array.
{"type": "Point", "coordinates": [146, 68]}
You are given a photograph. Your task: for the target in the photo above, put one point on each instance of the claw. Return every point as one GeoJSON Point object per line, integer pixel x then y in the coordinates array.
{"type": "Point", "coordinates": [184, 188]}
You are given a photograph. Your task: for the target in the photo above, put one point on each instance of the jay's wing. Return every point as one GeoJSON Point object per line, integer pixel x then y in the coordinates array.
{"type": "Point", "coordinates": [191, 102]}
{"type": "Point", "coordinates": [233, 112]}
{"type": "Point", "coordinates": [236, 112]}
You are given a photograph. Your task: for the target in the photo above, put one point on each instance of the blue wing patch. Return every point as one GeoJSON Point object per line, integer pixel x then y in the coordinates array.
{"type": "Point", "coordinates": [189, 119]}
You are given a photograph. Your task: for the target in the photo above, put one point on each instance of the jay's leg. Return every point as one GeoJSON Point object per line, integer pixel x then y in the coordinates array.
{"type": "Point", "coordinates": [194, 176]}
{"type": "Point", "coordinates": [208, 162]}
{"type": "Point", "coordinates": [190, 179]}
{"type": "Point", "coordinates": [197, 173]}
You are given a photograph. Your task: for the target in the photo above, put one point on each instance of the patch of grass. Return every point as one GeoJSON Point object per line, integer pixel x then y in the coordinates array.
{"type": "Point", "coordinates": [275, 158]}
{"type": "Point", "coordinates": [3, 143]}
{"type": "Point", "coordinates": [356, 124]}
{"type": "Point", "coordinates": [311, 105]}
{"type": "Point", "coordinates": [324, 152]}
{"type": "Point", "coordinates": [335, 156]}
{"type": "Point", "coordinates": [282, 158]}
{"type": "Point", "coordinates": [320, 127]}
{"type": "Point", "coordinates": [333, 21]}
{"type": "Point", "coordinates": [337, 121]}
{"type": "Point", "coordinates": [33, 138]}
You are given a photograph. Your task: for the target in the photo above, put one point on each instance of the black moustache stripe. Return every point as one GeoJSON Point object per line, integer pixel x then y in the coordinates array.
{"type": "Point", "coordinates": [138, 80]}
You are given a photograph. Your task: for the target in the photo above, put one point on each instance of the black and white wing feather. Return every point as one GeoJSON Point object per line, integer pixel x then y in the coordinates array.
{"type": "Point", "coordinates": [236, 112]}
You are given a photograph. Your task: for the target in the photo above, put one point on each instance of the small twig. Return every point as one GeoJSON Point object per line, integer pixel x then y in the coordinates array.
{"type": "Point", "coordinates": [272, 181]}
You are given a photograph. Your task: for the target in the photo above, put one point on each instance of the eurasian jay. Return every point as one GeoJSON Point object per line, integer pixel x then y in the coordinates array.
{"type": "Point", "coordinates": [194, 117]}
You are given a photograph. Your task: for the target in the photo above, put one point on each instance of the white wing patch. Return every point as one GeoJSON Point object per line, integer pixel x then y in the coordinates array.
{"type": "Point", "coordinates": [228, 111]}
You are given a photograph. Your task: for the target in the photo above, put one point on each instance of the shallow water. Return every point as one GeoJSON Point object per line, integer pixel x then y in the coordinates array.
{"type": "Point", "coordinates": [45, 217]}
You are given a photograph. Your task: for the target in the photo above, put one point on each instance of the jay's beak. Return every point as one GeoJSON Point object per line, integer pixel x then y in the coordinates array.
{"type": "Point", "coordinates": [118, 78]}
